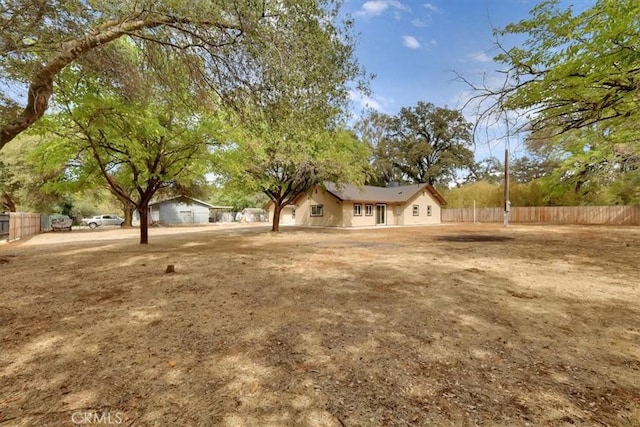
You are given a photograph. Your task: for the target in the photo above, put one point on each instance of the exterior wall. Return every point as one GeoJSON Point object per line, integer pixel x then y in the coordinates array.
{"type": "Point", "coordinates": [341, 214]}
{"type": "Point", "coordinates": [154, 214]}
{"type": "Point", "coordinates": [286, 215]}
{"type": "Point", "coordinates": [394, 214]}
{"type": "Point", "coordinates": [422, 200]}
{"type": "Point", "coordinates": [350, 220]}
{"type": "Point", "coordinates": [182, 213]}
{"type": "Point", "coordinates": [332, 207]}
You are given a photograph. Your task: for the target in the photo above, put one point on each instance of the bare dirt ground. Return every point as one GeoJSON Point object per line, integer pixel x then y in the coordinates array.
{"type": "Point", "coordinates": [447, 325]}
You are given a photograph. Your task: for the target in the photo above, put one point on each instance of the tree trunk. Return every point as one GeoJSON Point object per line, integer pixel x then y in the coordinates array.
{"type": "Point", "coordinates": [128, 209]}
{"type": "Point", "coordinates": [143, 208]}
{"type": "Point", "coordinates": [8, 202]}
{"type": "Point", "coordinates": [277, 209]}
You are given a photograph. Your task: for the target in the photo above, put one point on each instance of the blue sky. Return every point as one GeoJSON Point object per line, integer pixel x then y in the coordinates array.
{"type": "Point", "coordinates": [415, 47]}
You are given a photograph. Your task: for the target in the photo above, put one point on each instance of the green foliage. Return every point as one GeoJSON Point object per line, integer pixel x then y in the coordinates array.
{"type": "Point", "coordinates": [23, 182]}
{"type": "Point", "coordinates": [421, 144]}
{"type": "Point", "coordinates": [284, 168]}
{"type": "Point", "coordinates": [530, 168]}
{"type": "Point", "coordinates": [490, 194]}
{"type": "Point", "coordinates": [90, 203]}
{"type": "Point", "coordinates": [135, 139]}
{"type": "Point", "coordinates": [238, 198]}
{"type": "Point", "coordinates": [284, 152]}
{"type": "Point", "coordinates": [527, 194]}
{"type": "Point", "coordinates": [490, 170]}
{"type": "Point", "coordinates": [576, 76]}
{"type": "Point", "coordinates": [289, 137]}
{"type": "Point", "coordinates": [485, 194]}
{"type": "Point", "coordinates": [575, 70]}
{"type": "Point", "coordinates": [588, 166]}
{"type": "Point", "coordinates": [230, 47]}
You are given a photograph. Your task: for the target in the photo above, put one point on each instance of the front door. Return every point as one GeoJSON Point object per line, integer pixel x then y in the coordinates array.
{"type": "Point", "coordinates": [381, 214]}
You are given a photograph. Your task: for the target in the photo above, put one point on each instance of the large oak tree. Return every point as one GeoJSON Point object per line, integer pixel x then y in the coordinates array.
{"type": "Point", "coordinates": [40, 38]}
{"type": "Point", "coordinates": [424, 143]}
{"type": "Point", "coordinates": [292, 136]}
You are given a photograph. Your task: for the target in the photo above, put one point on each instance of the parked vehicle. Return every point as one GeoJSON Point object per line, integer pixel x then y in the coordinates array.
{"type": "Point", "coordinates": [60, 222]}
{"type": "Point", "coordinates": [102, 220]}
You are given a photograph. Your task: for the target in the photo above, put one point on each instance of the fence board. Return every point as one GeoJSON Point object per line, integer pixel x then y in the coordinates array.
{"type": "Point", "coordinates": [23, 225]}
{"type": "Point", "coordinates": [4, 226]}
{"type": "Point", "coordinates": [45, 223]}
{"type": "Point", "coordinates": [596, 215]}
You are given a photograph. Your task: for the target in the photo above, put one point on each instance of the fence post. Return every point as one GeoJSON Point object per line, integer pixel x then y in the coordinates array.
{"type": "Point", "coordinates": [474, 211]}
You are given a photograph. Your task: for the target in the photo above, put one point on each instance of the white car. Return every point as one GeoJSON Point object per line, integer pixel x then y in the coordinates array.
{"type": "Point", "coordinates": [102, 220]}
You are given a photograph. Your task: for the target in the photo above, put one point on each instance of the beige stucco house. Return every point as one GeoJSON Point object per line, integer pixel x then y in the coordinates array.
{"type": "Point", "coordinates": [351, 206]}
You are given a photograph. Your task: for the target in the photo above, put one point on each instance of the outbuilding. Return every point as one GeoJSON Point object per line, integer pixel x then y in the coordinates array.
{"type": "Point", "coordinates": [180, 210]}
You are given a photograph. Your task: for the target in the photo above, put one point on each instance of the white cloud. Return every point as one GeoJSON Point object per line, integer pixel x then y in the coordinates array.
{"type": "Point", "coordinates": [365, 101]}
{"type": "Point", "coordinates": [410, 42]}
{"type": "Point", "coordinates": [481, 57]}
{"type": "Point", "coordinates": [426, 17]}
{"type": "Point", "coordinates": [418, 23]}
{"type": "Point", "coordinates": [374, 102]}
{"type": "Point", "coordinates": [374, 8]}
{"type": "Point", "coordinates": [378, 7]}
{"type": "Point", "coordinates": [431, 7]}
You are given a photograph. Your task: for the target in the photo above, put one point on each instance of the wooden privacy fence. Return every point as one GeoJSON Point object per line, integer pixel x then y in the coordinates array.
{"type": "Point", "coordinates": [4, 226]}
{"type": "Point", "coordinates": [609, 215]}
{"type": "Point", "coordinates": [23, 225]}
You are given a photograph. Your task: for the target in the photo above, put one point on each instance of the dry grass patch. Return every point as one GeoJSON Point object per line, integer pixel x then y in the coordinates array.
{"type": "Point", "coordinates": [449, 325]}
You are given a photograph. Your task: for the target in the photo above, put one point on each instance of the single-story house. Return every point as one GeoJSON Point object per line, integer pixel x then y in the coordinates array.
{"type": "Point", "coordinates": [178, 210]}
{"type": "Point", "coordinates": [351, 206]}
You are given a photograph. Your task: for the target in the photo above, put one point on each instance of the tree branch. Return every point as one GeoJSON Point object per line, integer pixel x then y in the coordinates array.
{"type": "Point", "coordinates": [41, 86]}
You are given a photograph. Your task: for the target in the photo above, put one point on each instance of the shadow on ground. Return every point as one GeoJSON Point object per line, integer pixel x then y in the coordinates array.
{"type": "Point", "coordinates": [389, 327]}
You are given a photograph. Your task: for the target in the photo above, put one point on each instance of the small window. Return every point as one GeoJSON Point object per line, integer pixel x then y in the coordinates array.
{"type": "Point", "coordinates": [368, 210]}
{"type": "Point", "coordinates": [293, 213]}
{"type": "Point", "coordinates": [428, 210]}
{"type": "Point", "coordinates": [357, 209]}
{"type": "Point", "coordinates": [416, 210]}
{"type": "Point", "coordinates": [317, 210]}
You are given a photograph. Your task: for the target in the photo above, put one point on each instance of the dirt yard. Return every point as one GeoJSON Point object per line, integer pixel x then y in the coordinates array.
{"type": "Point", "coordinates": [447, 325]}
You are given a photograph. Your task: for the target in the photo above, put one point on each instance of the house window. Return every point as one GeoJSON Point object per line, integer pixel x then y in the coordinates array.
{"type": "Point", "coordinates": [416, 210]}
{"type": "Point", "coordinates": [317, 210]}
{"type": "Point", "coordinates": [293, 214]}
{"type": "Point", "coordinates": [368, 210]}
{"type": "Point", "coordinates": [428, 210]}
{"type": "Point", "coordinates": [357, 209]}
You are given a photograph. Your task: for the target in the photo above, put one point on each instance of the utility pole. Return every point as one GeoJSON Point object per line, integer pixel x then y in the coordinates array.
{"type": "Point", "coordinates": [507, 203]}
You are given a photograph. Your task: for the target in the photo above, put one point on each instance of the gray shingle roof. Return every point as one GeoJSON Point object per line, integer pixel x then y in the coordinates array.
{"type": "Point", "coordinates": [368, 193]}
